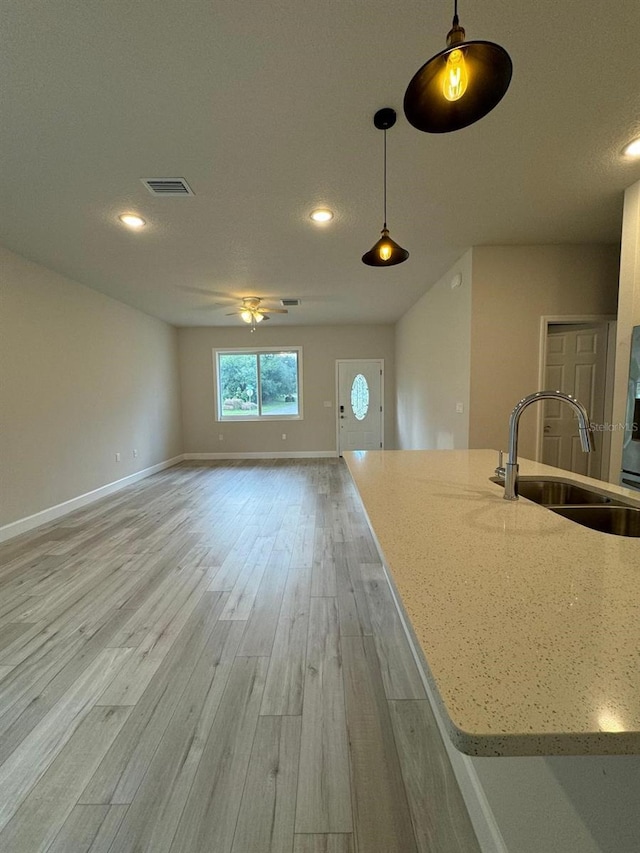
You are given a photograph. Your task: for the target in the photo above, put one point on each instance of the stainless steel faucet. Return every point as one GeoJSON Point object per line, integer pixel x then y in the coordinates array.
{"type": "Point", "coordinates": [510, 470]}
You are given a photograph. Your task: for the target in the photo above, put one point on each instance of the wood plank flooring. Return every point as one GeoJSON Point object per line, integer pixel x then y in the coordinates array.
{"type": "Point", "coordinates": [210, 661]}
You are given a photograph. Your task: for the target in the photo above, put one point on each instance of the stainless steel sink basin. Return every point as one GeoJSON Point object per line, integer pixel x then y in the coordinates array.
{"type": "Point", "coordinates": [559, 492]}
{"type": "Point", "coordinates": [579, 503]}
{"type": "Point", "coordinates": [620, 520]}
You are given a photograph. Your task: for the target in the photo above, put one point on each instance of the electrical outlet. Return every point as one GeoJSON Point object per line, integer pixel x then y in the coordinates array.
{"type": "Point", "coordinates": [117, 457]}
{"type": "Point", "coordinates": [284, 436]}
{"type": "Point", "coordinates": [327, 404]}
{"type": "Point", "coordinates": [135, 454]}
{"type": "Point", "coordinates": [459, 408]}
{"type": "Point", "coordinates": [220, 437]}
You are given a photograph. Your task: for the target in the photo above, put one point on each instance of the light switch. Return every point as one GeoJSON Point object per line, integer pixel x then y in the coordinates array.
{"type": "Point", "coordinates": [459, 408]}
{"type": "Point", "coordinates": [327, 404]}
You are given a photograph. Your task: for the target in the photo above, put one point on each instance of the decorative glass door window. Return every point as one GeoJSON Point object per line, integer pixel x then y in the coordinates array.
{"type": "Point", "coordinates": [360, 397]}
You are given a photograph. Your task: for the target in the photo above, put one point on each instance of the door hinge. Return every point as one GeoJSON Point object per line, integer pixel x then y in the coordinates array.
{"type": "Point", "coordinates": [380, 408]}
{"type": "Point", "coordinates": [380, 444]}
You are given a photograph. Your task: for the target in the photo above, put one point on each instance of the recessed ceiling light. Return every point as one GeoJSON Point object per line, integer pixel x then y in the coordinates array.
{"type": "Point", "coordinates": [632, 149]}
{"type": "Point", "coordinates": [321, 215]}
{"type": "Point", "coordinates": [131, 220]}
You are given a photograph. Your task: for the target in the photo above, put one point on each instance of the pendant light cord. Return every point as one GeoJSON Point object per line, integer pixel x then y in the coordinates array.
{"type": "Point", "coordinates": [385, 177]}
{"type": "Point", "coordinates": [455, 13]}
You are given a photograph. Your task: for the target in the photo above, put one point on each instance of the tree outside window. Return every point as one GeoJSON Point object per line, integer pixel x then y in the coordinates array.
{"type": "Point", "coordinates": [258, 384]}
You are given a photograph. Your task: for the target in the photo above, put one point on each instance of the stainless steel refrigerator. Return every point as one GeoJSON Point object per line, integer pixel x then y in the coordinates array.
{"type": "Point", "coordinates": [631, 449]}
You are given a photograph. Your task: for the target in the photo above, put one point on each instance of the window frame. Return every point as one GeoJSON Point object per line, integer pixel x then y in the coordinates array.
{"type": "Point", "coordinates": [257, 351]}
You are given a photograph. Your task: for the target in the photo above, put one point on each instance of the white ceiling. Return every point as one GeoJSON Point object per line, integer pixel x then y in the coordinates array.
{"type": "Point", "coordinates": [266, 109]}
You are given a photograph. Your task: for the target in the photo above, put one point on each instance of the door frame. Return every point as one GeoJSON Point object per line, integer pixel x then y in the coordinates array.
{"type": "Point", "coordinates": [340, 361]}
{"type": "Point", "coordinates": [576, 320]}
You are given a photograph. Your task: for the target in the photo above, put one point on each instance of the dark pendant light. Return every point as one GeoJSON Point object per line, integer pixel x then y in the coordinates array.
{"type": "Point", "coordinates": [386, 252]}
{"type": "Point", "coordinates": [459, 85]}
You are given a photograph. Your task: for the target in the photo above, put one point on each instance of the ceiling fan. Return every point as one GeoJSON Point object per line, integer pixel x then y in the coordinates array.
{"type": "Point", "coordinates": [251, 312]}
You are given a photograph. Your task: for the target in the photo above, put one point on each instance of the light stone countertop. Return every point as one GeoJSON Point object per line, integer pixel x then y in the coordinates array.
{"type": "Point", "coordinates": [529, 623]}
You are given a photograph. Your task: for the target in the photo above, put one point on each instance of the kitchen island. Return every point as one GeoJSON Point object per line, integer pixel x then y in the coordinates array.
{"type": "Point", "coordinates": [528, 623]}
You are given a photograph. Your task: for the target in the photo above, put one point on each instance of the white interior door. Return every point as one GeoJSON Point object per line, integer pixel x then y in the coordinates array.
{"type": "Point", "coordinates": [576, 361]}
{"type": "Point", "coordinates": [359, 407]}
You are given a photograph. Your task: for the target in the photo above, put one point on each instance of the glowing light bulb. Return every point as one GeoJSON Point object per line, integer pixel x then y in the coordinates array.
{"type": "Point", "coordinates": [385, 252]}
{"type": "Point", "coordinates": [246, 316]}
{"type": "Point", "coordinates": [259, 317]}
{"type": "Point", "coordinates": [321, 215]}
{"type": "Point", "coordinates": [456, 78]}
{"type": "Point", "coordinates": [131, 220]}
{"type": "Point", "coordinates": [632, 149]}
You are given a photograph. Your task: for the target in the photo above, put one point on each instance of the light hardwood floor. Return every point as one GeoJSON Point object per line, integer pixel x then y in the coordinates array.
{"type": "Point", "coordinates": [211, 661]}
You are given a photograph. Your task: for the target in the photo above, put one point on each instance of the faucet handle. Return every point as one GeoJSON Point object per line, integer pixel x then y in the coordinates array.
{"type": "Point", "coordinates": [500, 470]}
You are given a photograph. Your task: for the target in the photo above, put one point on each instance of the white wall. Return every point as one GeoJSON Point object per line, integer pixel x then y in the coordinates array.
{"type": "Point", "coordinates": [321, 345]}
{"type": "Point", "coordinates": [479, 344]}
{"type": "Point", "coordinates": [513, 287]}
{"type": "Point", "coordinates": [433, 365]}
{"type": "Point", "coordinates": [628, 317]}
{"type": "Point", "coordinates": [82, 377]}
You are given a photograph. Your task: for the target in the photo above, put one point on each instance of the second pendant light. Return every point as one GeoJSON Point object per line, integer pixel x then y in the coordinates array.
{"type": "Point", "coordinates": [386, 252]}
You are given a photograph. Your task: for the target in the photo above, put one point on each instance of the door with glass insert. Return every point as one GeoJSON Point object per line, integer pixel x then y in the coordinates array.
{"type": "Point", "coordinates": [360, 404]}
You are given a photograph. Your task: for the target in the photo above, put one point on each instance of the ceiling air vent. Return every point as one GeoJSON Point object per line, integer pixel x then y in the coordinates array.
{"type": "Point", "coordinates": [167, 186]}
{"type": "Point", "coordinates": [289, 303]}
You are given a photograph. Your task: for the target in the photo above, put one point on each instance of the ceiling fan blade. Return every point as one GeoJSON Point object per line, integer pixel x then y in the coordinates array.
{"type": "Point", "coordinates": [274, 310]}
{"type": "Point", "coordinates": [217, 294]}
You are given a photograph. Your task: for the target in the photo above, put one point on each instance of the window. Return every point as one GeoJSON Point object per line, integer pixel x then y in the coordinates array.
{"type": "Point", "coordinates": [360, 397]}
{"type": "Point", "coordinates": [258, 384]}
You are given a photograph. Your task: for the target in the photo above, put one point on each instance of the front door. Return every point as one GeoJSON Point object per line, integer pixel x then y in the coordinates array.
{"type": "Point", "coordinates": [359, 404]}
{"type": "Point", "coordinates": [576, 364]}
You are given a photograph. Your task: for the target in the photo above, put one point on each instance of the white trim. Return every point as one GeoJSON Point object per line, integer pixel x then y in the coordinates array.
{"type": "Point", "coordinates": [612, 331]}
{"type": "Point", "coordinates": [340, 361]}
{"type": "Point", "coordinates": [567, 319]}
{"type": "Point", "coordinates": [267, 454]}
{"type": "Point", "coordinates": [23, 525]}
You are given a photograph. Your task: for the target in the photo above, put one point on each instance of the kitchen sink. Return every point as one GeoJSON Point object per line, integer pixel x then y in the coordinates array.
{"type": "Point", "coordinates": [620, 520]}
{"type": "Point", "coordinates": [557, 492]}
{"type": "Point", "coordinates": [579, 503]}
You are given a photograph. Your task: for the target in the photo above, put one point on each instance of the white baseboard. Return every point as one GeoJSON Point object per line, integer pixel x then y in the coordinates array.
{"type": "Point", "coordinates": [276, 454]}
{"type": "Point", "coordinates": [23, 525]}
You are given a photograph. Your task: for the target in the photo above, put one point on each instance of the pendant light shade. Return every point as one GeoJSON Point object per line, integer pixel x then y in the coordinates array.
{"type": "Point", "coordinates": [386, 252]}
{"type": "Point", "coordinates": [459, 85]}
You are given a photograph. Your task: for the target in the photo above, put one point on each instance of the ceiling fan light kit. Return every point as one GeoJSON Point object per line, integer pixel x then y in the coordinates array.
{"type": "Point", "coordinates": [251, 312]}
{"type": "Point", "coordinates": [385, 252]}
{"type": "Point", "coordinates": [459, 85]}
